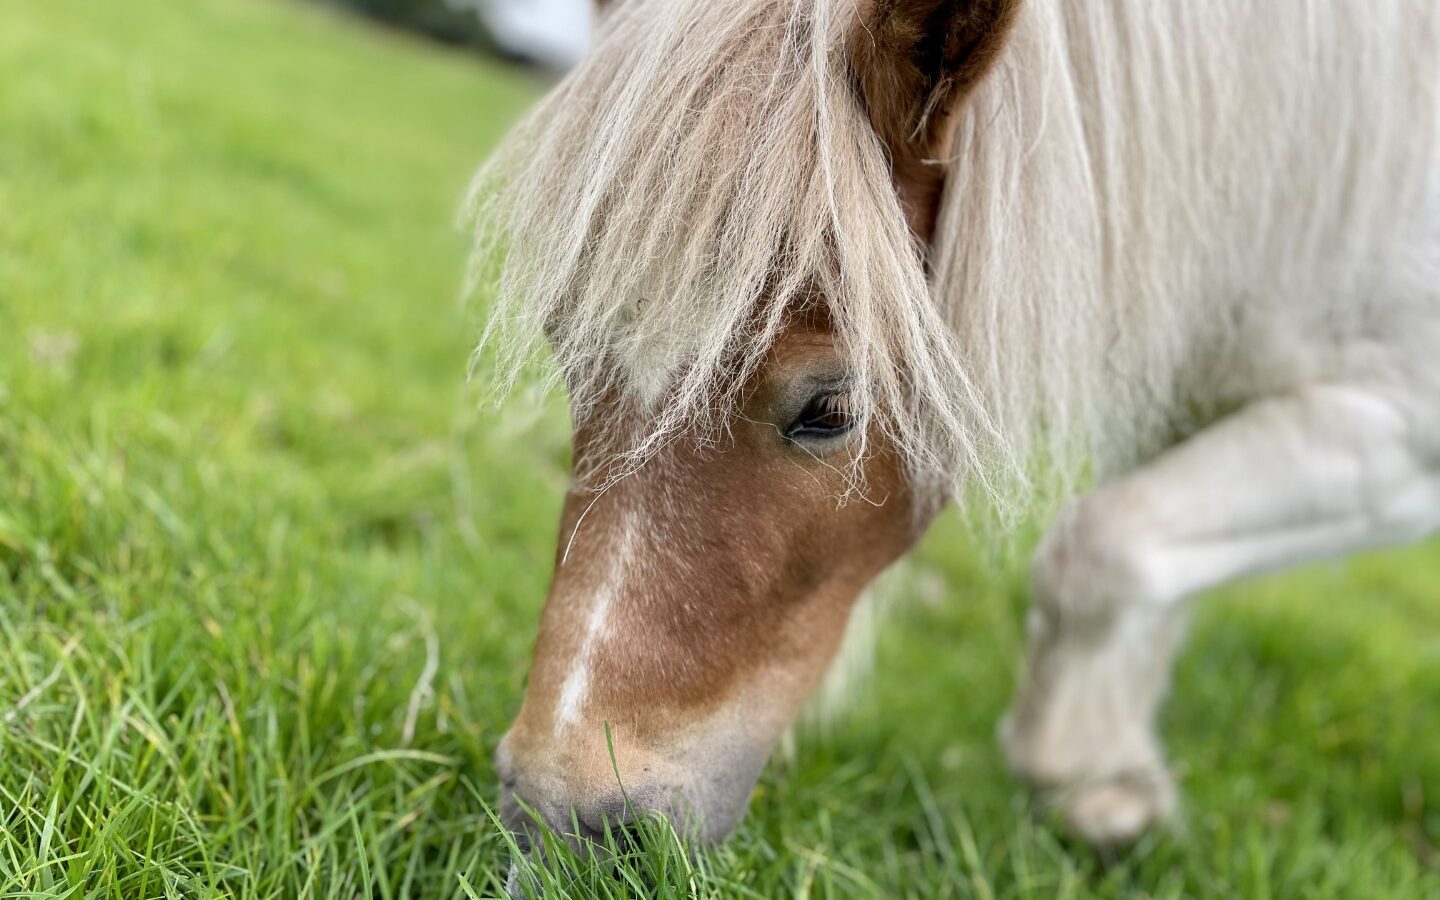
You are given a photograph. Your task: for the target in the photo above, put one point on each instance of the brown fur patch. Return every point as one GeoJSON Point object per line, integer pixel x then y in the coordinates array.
{"type": "Point", "coordinates": [914, 61]}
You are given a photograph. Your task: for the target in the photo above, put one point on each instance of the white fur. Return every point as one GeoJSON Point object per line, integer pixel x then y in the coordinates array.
{"type": "Point", "coordinates": [1322, 472]}
{"type": "Point", "coordinates": [1159, 211]}
{"type": "Point", "coordinates": [1147, 200]}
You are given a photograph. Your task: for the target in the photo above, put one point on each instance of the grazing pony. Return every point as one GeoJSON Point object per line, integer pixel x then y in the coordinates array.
{"type": "Point", "coordinates": [809, 269]}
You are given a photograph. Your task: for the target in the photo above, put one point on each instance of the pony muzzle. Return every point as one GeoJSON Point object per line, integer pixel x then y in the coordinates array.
{"type": "Point", "coordinates": [579, 788]}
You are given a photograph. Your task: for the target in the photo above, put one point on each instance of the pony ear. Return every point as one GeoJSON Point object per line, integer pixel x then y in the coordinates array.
{"type": "Point", "coordinates": [914, 61]}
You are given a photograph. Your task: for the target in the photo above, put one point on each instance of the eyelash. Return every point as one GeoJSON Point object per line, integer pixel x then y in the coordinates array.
{"type": "Point", "coordinates": [811, 422]}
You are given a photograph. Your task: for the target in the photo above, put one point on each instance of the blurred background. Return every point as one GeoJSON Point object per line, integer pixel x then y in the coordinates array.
{"type": "Point", "coordinates": [549, 33]}
{"type": "Point", "coordinates": [271, 565]}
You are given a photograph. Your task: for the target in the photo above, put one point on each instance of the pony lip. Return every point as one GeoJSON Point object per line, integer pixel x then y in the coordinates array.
{"type": "Point", "coordinates": [1035, 242]}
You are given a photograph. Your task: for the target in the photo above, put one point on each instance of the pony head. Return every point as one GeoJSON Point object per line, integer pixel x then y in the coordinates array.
{"type": "Point", "coordinates": [718, 225]}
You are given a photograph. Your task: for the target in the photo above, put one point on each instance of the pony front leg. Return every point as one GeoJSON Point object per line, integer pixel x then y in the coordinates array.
{"type": "Point", "coordinates": [1325, 472]}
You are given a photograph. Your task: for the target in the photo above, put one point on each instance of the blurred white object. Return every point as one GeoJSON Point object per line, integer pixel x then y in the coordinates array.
{"type": "Point", "coordinates": [554, 33]}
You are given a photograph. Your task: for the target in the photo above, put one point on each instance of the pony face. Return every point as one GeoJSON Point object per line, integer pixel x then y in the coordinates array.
{"type": "Point", "coordinates": [697, 599]}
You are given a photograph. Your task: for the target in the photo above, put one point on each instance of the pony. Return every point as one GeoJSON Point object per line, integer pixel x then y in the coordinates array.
{"type": "Point", "coordinates": [809, 270]}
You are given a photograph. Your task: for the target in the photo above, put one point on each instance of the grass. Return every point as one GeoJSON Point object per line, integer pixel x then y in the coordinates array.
{"type": "Point", "coordinates": [268, 581]}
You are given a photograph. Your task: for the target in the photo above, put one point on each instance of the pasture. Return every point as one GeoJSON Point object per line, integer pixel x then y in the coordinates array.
{"type": "Point", "coordinates": [270, 567]}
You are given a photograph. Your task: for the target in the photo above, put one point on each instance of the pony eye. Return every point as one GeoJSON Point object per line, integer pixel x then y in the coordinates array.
{"type": "Point", "coordinates": [825, 416]}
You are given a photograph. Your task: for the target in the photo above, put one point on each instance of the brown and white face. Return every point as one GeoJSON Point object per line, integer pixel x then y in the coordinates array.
{"type": "Point", "coordinates": [698, 599]}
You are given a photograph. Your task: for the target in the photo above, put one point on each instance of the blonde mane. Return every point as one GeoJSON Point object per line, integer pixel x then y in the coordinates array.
{"type": "Point", "coordinates": [1141, 197]}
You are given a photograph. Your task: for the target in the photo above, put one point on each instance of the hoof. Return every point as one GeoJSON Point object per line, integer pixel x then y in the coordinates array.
{"type": "Point", "coordinates": [1117, 811]}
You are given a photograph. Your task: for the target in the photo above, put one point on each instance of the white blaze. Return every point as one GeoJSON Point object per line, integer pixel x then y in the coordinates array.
{"type": "Point", "coordinates": [577, 681]}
